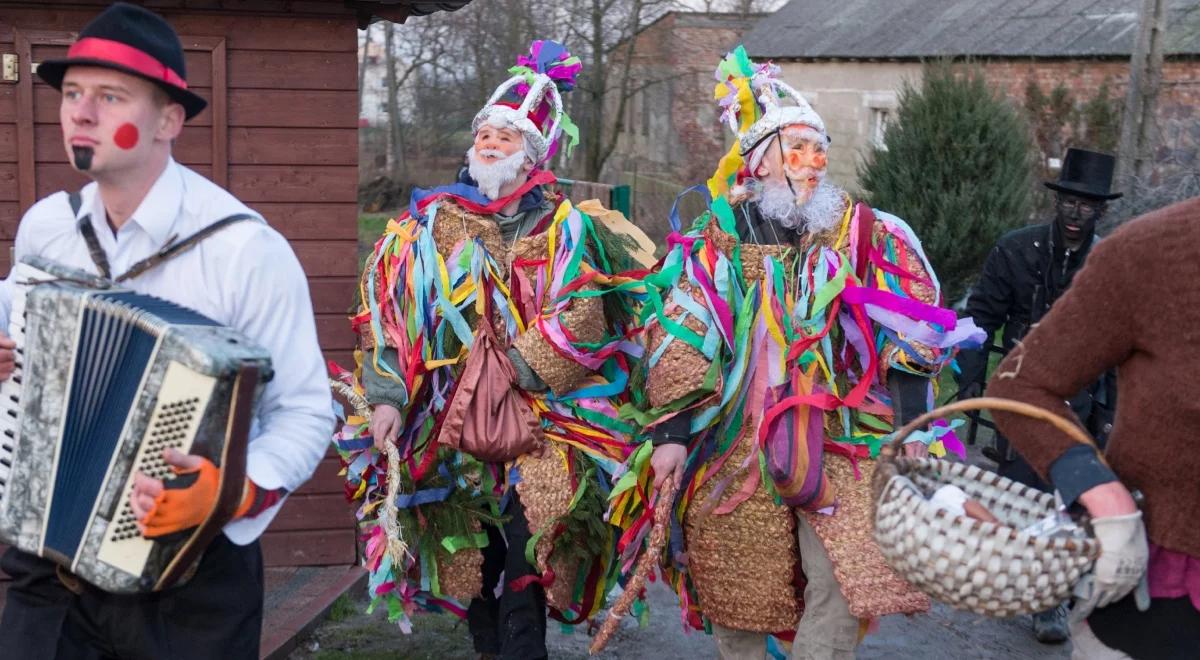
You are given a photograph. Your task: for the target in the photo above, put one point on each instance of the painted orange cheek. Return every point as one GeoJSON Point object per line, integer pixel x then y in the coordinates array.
{"type": "Point", "coordinates": [819, 161]}
{"type": "Point", "coordinates": [126, 136]}
{"type": "Point", "coordinates": [793, 160]}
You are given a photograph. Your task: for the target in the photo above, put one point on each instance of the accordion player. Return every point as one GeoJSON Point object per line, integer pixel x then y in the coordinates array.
{"type": "Point", "coordinates": [106, 380]}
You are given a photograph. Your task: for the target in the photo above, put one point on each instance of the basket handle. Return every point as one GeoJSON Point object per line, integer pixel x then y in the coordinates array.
{"type": "Point", "coordinates": [989, 403]}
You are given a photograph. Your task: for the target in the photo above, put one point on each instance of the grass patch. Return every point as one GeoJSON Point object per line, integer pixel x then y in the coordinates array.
{"type": "Point", "coordinates": [370, 226]}
{"type": "Point", "coordinates": [344, 607]}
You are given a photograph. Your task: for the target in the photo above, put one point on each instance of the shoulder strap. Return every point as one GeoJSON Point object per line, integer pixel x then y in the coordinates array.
{"type": "Point", "coordinates": [866, 229]}
{"type": "Point", "coordinates": [75, 199]}
{"type": "Point", "coordinates": [178, 247]}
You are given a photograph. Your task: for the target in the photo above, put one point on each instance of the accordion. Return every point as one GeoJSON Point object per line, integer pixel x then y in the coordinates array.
{"type": "Point", "coordinates": [106, 379]}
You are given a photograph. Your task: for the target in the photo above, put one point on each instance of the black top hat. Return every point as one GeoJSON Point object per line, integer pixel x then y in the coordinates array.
{"type": "Point", "coordinates": [1087, 174]}
{"type": "Point", "coordinates": [132, 40]}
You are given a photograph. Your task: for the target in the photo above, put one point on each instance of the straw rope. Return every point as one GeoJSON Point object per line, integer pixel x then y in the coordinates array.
{"type": "Point", "coordinates": [646, 563]}
{"type": "Point", "coordinates": [396, 546]}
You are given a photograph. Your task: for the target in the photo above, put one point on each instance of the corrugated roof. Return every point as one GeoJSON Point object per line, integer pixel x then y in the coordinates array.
{"type": "Point", "coordinates": [907, 29]}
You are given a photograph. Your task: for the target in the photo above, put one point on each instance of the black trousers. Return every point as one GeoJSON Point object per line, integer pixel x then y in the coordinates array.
{"type": "Point", "coordinates": [512, 626]}
{"type": "Point", "coordinates": [1169, 630]}
{"type": "Point", "coordinates": [216, 614]}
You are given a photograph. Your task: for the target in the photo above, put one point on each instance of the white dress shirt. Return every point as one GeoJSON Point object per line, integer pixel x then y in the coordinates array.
{"type": "Point", "coordinates": [244, 276]}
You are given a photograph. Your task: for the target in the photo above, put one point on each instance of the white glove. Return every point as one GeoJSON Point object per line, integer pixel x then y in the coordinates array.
{"type": "Point", "coordinates": [1120, 568]}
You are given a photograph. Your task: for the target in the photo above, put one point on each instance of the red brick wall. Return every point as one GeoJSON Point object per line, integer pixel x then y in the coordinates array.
{"type": "Point", "coordinates": [1178, 117]}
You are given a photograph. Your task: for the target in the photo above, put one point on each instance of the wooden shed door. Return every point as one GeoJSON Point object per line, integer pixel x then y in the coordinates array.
{"type": "Point", "coordinates": [33, 161]}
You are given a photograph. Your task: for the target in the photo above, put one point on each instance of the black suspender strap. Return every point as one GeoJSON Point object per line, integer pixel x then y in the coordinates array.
{"type": "Point", "coordinates": [173, 249]}
{"type": "Point", "coordinates": [179, 247]}
{"type": "Point", "coordinates": [89, 236]}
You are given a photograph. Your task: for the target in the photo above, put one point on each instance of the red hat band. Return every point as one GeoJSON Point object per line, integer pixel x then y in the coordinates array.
{"type": "Point", "coordinates": [126, 56]}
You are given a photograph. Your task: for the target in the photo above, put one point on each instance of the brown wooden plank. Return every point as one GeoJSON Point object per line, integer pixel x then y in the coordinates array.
{"type": "Point", "coordinates": [243, 31]}
{"type": "Point", "coordinates": [293, 146]}
{"type": "Point", "coordinates": [219, 109]}
{"type": "Point", "coordinates": [10, 216]}
{"type": "Point", "coordinates": [319, 221]}
{"type": "Point", "coordinates": [328, 258]}
{"type": "Point", "coordinates": [293, 183]}
{"type": "Point", "coordinates": [25, 158]}
{"type": "Point", "coordinates": [8, 183]}
{"type": "Point", "coordinates": [267, 69]}
{"type": "Point", "coordinates": [333, 296]}
{"type": "Point", "coordinates": [8, 143]}
{"type": "Point", "coordinates": [334, 333]}
{"type": "Point", "coordinates": [8, 102]}
{"type": "Point", "coordinates": [289, 33]}
{"type": "Point", "coordinates": [292, 108]}
{"type": "Point", "coordinates": [6, 260]}
{"type": "Point", "coordinates": [306, 512]}
{"type": "Point", "coordinates": [325, 479]}
{"type": "Point", "coordinates": [309, 548]}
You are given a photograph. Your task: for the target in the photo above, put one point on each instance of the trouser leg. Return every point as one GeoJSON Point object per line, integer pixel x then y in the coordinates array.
{"type": "Point", "coordinates": [522, 614]}
{"type": "Point", "coordinates": [216, 614]}
{"type": "Point", "coordinates": [483, 614]}
{"type": "Point", "coordinates": [733, 644]}
{"type": "Point", "coordinates": [827, 630]}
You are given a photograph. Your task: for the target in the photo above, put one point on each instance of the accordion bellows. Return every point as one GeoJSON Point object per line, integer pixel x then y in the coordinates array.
{"type": "Point", "coordinates": [106, 380]}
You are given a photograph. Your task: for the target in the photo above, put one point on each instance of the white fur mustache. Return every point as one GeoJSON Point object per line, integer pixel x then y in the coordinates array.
{"type": "Point", "coordinates": [491, 153]}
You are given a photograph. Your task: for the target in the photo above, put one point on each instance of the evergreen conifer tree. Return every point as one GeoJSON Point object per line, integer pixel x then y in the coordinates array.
{"type": "Point", "coordinates": [958, 164]}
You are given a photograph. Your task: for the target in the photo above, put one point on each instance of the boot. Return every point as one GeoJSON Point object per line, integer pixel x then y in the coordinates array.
{"type": "Point", "coordinates": [1050, 627]}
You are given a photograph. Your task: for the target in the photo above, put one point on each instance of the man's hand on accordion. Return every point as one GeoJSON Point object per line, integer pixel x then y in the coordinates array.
{"type": "Point", "coordinates": [8, 356]}
{"type": "Point", "coordinates": [184, 502]}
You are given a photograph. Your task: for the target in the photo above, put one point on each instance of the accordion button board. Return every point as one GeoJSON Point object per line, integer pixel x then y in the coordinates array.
{"type": "Point", "coordinates": [173, 424]}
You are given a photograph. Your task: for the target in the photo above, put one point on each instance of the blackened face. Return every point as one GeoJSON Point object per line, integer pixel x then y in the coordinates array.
{"type": "Point", "coordinates": [1076, 217]}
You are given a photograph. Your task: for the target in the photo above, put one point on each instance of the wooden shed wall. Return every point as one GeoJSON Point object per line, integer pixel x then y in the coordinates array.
{"type": "Point", "coordinates": [280, 133]}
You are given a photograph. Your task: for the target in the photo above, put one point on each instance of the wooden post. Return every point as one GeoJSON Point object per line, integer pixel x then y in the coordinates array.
{"type": "Point", "coordinates": [1135, 151]}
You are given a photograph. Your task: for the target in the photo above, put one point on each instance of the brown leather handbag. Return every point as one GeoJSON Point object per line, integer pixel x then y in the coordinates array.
{"type": "Point", "coordinates": [487, 416]}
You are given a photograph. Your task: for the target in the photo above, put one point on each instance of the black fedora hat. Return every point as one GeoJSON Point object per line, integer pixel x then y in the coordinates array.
{"type": "Point", "coordinates": [131, 40]}
{"type": "Point", "coordinates": [1087, 174]}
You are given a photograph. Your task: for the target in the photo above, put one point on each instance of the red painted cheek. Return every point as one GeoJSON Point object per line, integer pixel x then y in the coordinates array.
{"type": "Point", "coordinates": [126, 136]}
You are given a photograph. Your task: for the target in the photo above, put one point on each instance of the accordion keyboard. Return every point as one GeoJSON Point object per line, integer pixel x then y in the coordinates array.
{"type": "Point", "coordinates": [177, 414]}
{"type": "Point", "coordinates": [10, 393]}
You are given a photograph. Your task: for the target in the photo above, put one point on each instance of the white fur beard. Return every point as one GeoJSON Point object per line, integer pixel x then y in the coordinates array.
{"type": "Point", "coordinates": [777, 203]}
{"type": "Point", "coordinates": [491, 177]}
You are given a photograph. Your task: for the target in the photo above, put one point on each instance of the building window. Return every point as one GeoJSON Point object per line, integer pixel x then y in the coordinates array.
{"type": "Point", "coordinates": [880, 117]}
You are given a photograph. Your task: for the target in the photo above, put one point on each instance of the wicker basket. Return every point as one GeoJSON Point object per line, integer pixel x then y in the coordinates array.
{"type": "Point", "coordinates": [987, 568]}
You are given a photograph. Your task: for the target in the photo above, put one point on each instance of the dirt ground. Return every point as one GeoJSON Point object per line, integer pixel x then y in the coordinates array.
{"type": "Point", "coordinates": [942, 634]}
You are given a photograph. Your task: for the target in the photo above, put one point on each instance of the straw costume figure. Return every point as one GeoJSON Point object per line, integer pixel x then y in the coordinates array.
{"type": "Point", "coordinates": [494, 356]}
{"type": "Point", "coordinates": [787, 332]}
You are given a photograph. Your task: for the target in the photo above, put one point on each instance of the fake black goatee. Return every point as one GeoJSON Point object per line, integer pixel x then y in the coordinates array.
{"type": "Point", "coordinates": [83, 157]}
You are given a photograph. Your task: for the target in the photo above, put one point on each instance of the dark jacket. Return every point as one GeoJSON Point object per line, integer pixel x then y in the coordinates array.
{"type": "Point", "coordinates": [1025, 273]}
